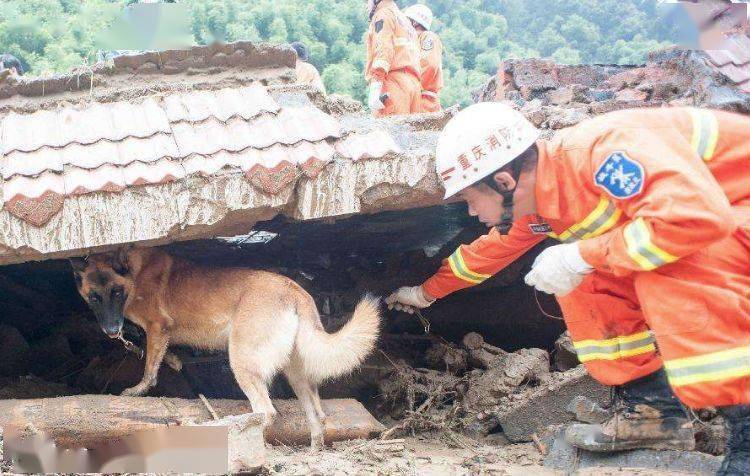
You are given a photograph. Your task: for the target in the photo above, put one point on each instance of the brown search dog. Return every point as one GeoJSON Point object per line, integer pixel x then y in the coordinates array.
{"type": "Point", "coordinates": [267, 322]}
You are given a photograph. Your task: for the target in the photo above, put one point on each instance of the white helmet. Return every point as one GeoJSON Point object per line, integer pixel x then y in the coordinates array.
{"type": "Point", "coordinates": [479, 140]}
{"type": "Point", "coordinates": [420, 14]}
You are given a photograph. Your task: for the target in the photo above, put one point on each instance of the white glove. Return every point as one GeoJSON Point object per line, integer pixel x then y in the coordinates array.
{"type": "Point", "coordinates": [408, 299]}
{"type": "Point", "coordinates": [558, 270]}
{"type": "Point", "coordinates": [373, 98]}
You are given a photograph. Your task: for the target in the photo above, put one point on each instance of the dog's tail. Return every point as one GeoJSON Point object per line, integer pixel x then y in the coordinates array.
{"type": "Point", "coordinates": [327, 356]}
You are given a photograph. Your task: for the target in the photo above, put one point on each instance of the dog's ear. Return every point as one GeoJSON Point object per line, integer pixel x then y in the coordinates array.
{"type": "Point", "coordinates": [79, 264]}
{"type": "Point", "coordinates": [120, 261]}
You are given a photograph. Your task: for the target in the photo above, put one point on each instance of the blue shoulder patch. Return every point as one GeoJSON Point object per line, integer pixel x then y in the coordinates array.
{"type": "Point", "coordinates": [620, 176]}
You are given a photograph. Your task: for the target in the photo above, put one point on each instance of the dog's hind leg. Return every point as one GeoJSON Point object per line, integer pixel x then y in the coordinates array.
{"type": "Point", "coordinates": [256, 390]}
{"type": "Point", "coordinates": [318, 405]}
{"type": "Point", "coordinates": [260, 344]}
{"type": "Point", "coordinates": [307, 394]}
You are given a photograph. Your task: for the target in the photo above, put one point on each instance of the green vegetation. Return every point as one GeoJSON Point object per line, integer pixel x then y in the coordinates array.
{"type": "Point", "coordinates": [54, 35]}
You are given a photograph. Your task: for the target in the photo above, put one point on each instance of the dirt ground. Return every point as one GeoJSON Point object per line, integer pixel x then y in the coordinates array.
{"type": "Point", "coordinates": [433, 454]}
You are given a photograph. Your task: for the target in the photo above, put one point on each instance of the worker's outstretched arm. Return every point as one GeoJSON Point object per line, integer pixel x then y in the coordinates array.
{"type": "Point", "coordinates": [675, 205]}
{"type": "Point", "coordinates": [470, 265]}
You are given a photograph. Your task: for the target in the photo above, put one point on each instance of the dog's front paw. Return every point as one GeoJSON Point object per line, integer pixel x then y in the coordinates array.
{"type": "Point", "coordinates": [137, 391]}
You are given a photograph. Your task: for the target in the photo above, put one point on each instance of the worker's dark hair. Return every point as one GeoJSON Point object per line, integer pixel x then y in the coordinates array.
{"type": "Point", "coordinates": [8, 61]}
{"type": "Point", "coordinates": [301, 50]}
{"type": "Point", "coordinates": [524, 162]}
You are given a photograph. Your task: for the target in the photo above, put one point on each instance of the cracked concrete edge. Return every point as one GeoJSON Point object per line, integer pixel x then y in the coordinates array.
{"type": "Point", "coordinates": [198, 207]}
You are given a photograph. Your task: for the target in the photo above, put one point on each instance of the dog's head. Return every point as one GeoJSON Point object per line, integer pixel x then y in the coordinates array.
{"type": "Point", "coordinates": [105, 282]}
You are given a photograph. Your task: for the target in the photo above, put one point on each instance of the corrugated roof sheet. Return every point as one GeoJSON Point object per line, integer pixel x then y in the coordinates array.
{"type": "Point", "coordinates": [196, 106]}
{"type": "Point", "coordinates": [107, 147]}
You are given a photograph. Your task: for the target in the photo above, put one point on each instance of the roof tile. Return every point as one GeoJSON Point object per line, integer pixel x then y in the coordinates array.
{"type": "Point", "coordinates": [223, 104]}
{"type": "Point", "coordinates": [374, 144]}
{"type": "Point", "coordinates": [37, 211]}
{"type": "Point", "coordinates": [89, 156]}
{"type": "Point", "coordinates": [273, 180]}
{"type": "Point", "coordinates": [28, 132]}
{"type": "Point", "coordinates": [288, 127]}
{"type": "Point", "coordinates": [107, 178]}
{"type": "Point", "coordinates": [113, 122]}
{"type": "Point", "coordinates": [161, 171]}
{"type": "Point", "coordinates": [735, 73]}
{"type": "Point", "coordinates": [107, 147]}
{"type": "Point", "coordinates": [33, 187]}
{"type": "Point", "coordinates": [31, 163]}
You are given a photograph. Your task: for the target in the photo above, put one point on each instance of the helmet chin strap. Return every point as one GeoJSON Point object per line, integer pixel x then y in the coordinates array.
{"type": "Point", "coordinates": [506, 220]}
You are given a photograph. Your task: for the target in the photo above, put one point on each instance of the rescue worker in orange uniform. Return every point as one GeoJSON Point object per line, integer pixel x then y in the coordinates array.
{"type": "Point", "coordinates": [431, 57]}
{"type": "Point", "coordinates": [652, 207]}
{"type": "Point", "coordinates": [392, 66]}
{"type": "Point", "coordinates": [306, 72]}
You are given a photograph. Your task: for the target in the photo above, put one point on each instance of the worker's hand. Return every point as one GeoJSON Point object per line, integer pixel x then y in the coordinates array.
{"type": "Point", "coordinates": [373, 97]}
{"type": "Point", "coordinates": [558, 270]}
{"type": "Point", "coordinates": [408, 299]}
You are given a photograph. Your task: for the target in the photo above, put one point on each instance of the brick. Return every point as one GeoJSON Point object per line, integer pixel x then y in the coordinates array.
{"type": "Point", "coordinates": [584, 75]}
{"type": "Point", "coordinates": [626, 78]}
{"type": "Point", "coordinates": [560, 96]}
{"type": "Point", "coordinates": [631, 95]}
{"type": "Point", "coordinates": [560, 118]}
{"type": "Point", "coordinates": [535, 74]}
{"type": "Point", "coordinates": [614, 105]}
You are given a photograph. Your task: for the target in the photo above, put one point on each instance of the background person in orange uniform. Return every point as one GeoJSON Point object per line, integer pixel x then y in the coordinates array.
{"type": "Point", "coordinates": [431, 56]}
{"type": "Point", "coordinates": [652, 207]}
{"type": "Point", "coordinates": [306, 72]}
{"type": "Point", "coordinates": [392, 66]}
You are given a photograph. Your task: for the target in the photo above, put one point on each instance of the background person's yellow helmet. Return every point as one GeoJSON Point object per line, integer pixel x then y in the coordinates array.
{"type": "Point", "coordinates": [479, 140]}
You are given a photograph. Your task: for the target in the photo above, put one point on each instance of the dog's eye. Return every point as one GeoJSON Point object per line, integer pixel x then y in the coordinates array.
{"type": "Point", "coordinates": [117, 293]}
{"type": "Point", "coordinates": [94, 298]}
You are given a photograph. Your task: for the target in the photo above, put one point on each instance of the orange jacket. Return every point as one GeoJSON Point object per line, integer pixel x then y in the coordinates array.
{"type": "Point", "coordinates": [391, 43]}
{"type": "Point", "coordinates": [639, 189]}
{"type": "Point", "coordinates": [308, 74]}
{"type": "Point", "coordinates": [431, 61]}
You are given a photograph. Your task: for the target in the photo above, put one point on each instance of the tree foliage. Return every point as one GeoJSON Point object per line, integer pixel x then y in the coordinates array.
{"type": "Point", "coordinates": [54, 35]}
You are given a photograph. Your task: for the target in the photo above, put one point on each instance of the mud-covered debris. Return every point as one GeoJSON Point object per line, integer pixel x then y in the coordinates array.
{"type": "Point", "coordinates": [564, 356]}
{"type": "Point", "coordinates": [500, 385]}
{"type": "Point", "coordinates": [338, 105]}
{"type": "Point", "coordinates": [448, 358]}
{"type": "Point", "coordinates": [481, 354]}
{"type": "Point", "coordinates": [586, 410]}
{"type": "Point", "coordinates": [422, 399]}
{"type": "Point", "coordinates": [710, 432]}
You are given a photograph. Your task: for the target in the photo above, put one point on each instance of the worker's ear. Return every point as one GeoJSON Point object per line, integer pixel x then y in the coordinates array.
{"type": "Point", "coordinates": [504, 181]}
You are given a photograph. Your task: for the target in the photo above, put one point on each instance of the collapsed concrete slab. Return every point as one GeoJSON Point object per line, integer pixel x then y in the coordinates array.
{"type": "Point", "coordinates": [193, 144]}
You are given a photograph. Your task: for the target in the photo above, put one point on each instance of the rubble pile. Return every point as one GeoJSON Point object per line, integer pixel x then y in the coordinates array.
{"type": "Point", "coordinates": [554, 96]}
{"type": "Point", "coordinates": [478, 388]}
